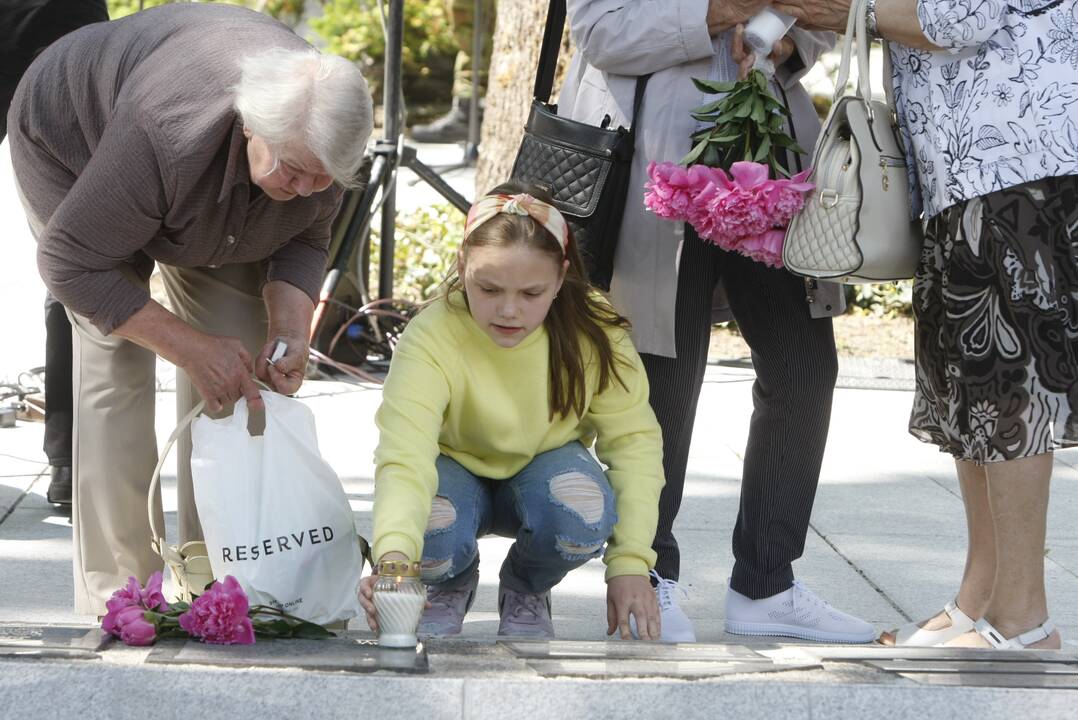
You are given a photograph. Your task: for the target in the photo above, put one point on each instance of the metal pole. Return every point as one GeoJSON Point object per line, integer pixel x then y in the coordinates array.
{"type": "Point", "coordinates": [392, 102]}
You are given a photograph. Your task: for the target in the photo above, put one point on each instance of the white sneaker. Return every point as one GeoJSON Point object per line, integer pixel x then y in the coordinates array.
{"type": "Point", "coordinates": [676, 626]}
{"type": "Point", "coordinates": [797, 612]}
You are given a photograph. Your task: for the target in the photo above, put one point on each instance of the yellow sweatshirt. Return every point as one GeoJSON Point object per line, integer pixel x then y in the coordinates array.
{"type": "Point", "coordinates": [452, 390]}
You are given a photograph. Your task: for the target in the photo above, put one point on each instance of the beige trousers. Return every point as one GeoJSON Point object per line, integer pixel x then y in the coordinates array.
{"type": "Point", "coordinates": [115, 444]}
{"type": "Point", "coordinates": [114, 447]}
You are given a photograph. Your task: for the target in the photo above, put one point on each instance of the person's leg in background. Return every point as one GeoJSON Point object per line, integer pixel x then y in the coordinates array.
{"type": "Point", "coordinates": [453, 126]}
{"type": "Point", "coordinates": [59, 405]}
{"type": "Point", "coordinates": [793, 356]}
{"type": "Point", "coordinates": [220, 301]}
{"type": "Point", "coordinates": [675, 391]}
{"type": "Point", "coordinates": [26, 28]}
{"type": "Point", "coordinates": [560, 508]}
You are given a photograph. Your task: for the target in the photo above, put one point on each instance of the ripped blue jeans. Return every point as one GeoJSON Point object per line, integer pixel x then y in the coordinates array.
{"type": "Point", "coordinates": [560, 509]}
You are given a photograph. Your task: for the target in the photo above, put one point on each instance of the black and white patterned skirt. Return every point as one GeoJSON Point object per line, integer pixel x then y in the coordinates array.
{"type": "Point", "coordinates": [996, 305]}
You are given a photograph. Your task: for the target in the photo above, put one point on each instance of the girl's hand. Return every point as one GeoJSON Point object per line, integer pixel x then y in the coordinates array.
{"type": "Point", "coordinates": [745, 58]}
{"type": "Point", "coordinates": [632, 595]}
{"type": "Point", "coordinates": [366, 599]}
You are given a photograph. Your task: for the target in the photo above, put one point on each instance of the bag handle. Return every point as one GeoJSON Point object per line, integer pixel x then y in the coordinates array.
{"type": "Point", "coordinates": [157, 535]}
{"type": "Point", "coordinates": [855, 29]}
{"type": "Point", "coordinates": [548, 60]}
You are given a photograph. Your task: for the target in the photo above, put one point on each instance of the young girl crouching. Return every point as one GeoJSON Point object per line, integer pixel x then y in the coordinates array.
{"type": "Point", "coordinates": [495, 393]}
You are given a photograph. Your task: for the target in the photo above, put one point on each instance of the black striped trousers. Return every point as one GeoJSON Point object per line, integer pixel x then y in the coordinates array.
{"type": "Point", "coordinates": [794, 359]}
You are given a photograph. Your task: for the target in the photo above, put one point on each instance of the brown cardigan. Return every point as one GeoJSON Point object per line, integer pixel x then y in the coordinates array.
{"type": "Point", "coordinates": [125, 144]}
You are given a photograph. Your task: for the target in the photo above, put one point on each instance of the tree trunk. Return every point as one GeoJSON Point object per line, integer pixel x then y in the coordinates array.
{"type": "Point", "coordinates": [518, 36]}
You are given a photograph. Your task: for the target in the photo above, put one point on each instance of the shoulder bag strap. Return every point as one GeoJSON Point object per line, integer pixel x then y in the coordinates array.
{"type": "Point", "coordinates": [548, 60]}
{"type": "Point", "coordinates": [548, 55]}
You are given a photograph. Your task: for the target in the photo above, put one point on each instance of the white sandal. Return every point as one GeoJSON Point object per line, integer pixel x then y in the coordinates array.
{"type": "Point", "coordinates": [913, 635]}
{"type": "Point", "coordinates": [1021, 642]}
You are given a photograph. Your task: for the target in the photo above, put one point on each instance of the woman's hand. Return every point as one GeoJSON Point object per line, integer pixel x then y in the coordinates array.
{"type": "Point", "coordinates": [290, 311]}
{"type": "Point", "coordinates": [745, 58]}
{"type": "Point", "coordinates": [724, 14]}
{"type": "Point", "coordinates": [632, 595]}
{"type": "Point", "coordinates": [220, 369]}
{"type": "Point", "coordinates": [817, 14]}
{"type": "Point", "coordinates": [286, 374]}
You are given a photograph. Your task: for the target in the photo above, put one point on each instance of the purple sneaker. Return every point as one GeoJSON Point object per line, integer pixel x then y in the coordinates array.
{"type": "Point", "coordinates": [525, 615]}
{"type": "Point", "coordinates": [445, 616]}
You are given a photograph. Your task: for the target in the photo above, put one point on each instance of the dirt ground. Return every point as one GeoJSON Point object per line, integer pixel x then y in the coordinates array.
{"type": "Point", "coordinates": [855, 336]}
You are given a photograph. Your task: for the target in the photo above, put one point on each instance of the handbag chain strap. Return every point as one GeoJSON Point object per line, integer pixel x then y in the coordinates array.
{"type": "Point", "coordinates": [548, 60]}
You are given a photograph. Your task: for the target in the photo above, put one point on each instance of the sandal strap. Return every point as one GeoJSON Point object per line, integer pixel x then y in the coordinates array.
{"type": "Point", "coordinates": [1021, 642]}
{"type": "Point", "coordinates": [957, 616]}
{"type": "Point", "coordinates": [1037, 634]}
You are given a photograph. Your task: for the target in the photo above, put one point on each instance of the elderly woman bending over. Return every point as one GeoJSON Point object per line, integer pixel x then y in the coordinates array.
{"type": "Point", "coordinates": [212, 141]}
{"type": "Point", "coordinates": [985, 94]}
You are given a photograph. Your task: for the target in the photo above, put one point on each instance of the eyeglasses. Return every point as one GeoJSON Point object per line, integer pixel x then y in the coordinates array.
{"type": "Point", "coordinates": [292, 176]}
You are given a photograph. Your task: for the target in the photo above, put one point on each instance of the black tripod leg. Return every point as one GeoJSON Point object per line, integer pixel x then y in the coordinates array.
{"type": "Point", "coordinates": [429, 176]}
{"type": "Point", "coordinates": [358, 225]}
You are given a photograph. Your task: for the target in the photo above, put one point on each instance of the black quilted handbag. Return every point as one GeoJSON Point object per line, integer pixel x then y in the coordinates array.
{"type": "Point", "coordinates": [585, 168]}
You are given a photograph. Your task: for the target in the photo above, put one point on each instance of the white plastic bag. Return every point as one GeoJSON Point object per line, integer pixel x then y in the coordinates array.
{"type": "Point", "coordinates": [274, 513]}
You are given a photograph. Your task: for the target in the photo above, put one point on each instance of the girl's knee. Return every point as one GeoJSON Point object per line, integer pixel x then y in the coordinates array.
{"type": "Point", "coordinates": [582, 530]}
{"type": "Point", "coordinates": [445, 554]}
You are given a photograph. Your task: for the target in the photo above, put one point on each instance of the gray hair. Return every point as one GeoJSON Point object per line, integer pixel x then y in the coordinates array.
{"type": "Point", "coordinates": [307, 98]}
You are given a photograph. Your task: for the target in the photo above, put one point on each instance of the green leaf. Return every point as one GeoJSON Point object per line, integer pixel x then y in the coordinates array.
{"type": "Point", "coordinates": [712, 87]}
{"type": "Point", "coordinates": [279, 628]}
{"type": "Point", "coordinates": [311, 631]}
{"type": "Point", "coordinates": [763, 150]}
{"type": "Point", "coordinates": [711, 156]}
{"type": "Point", "coordinates": [710, 107]}
{"type": "Point", "coordinates": [694, 153]}
{"type": "Point", "coordinates": [758, 113]}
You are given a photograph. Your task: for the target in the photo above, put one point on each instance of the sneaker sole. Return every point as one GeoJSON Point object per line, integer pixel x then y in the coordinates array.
{"type": "Point", "coordinates": [741, 628]}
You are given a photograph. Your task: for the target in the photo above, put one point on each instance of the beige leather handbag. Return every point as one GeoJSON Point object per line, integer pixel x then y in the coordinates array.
{"type": "Point", "coordinates": [856, 227]}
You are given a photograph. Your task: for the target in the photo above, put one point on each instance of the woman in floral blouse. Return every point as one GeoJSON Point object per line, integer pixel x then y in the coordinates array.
{"type": "Point", "coordinates": [987, 97]}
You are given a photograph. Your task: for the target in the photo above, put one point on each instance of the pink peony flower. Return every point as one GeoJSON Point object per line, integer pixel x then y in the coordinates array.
{"type": "Point", "coordinates": [765, 247]}
{"type": "Point", "coordinates": [133, 595]}
{"type": "Point", "coordinates": [151, 596]}
{"type": "Point", "coordinates": [132, 627]}
{"type": "Point", "coordinates": [219, 615]}
{"type": "Point", "coordinates": [737, 214]}
{"type": "Point", "coordinates": [671, 190]}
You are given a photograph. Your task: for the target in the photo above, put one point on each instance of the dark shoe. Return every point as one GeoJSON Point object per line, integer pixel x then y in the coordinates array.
{"type": "Point", "coordinates": [525, 615]}
{"type": "Point", "coordinates": [59, 492]}
{"type": "Point", "coordinates": [445, 616]}
{"type": "Point", "coordinates": [449, 128]}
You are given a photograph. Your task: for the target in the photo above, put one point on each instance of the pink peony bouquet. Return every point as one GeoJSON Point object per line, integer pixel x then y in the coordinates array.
{"type": "Point", "coordinates": [731, 186]}
{"type": "Point", "coordinates": [221, 615]}
{"type": "Point", "coordinates": [745, 211]}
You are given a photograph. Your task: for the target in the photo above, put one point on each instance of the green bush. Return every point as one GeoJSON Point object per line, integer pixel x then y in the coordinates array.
{"type": "Point", "coordinates": [425, 253]}
{"type": "Point", "coordinates": [353, 29]}
{"type": "Point", "coordinates": [284, 10]}
{"type": "Point", "coordinates": [883, 300]}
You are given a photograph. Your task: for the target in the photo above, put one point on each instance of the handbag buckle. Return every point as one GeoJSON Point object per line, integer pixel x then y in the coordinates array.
{"type": "Point", "coordinates": [829, 198]}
